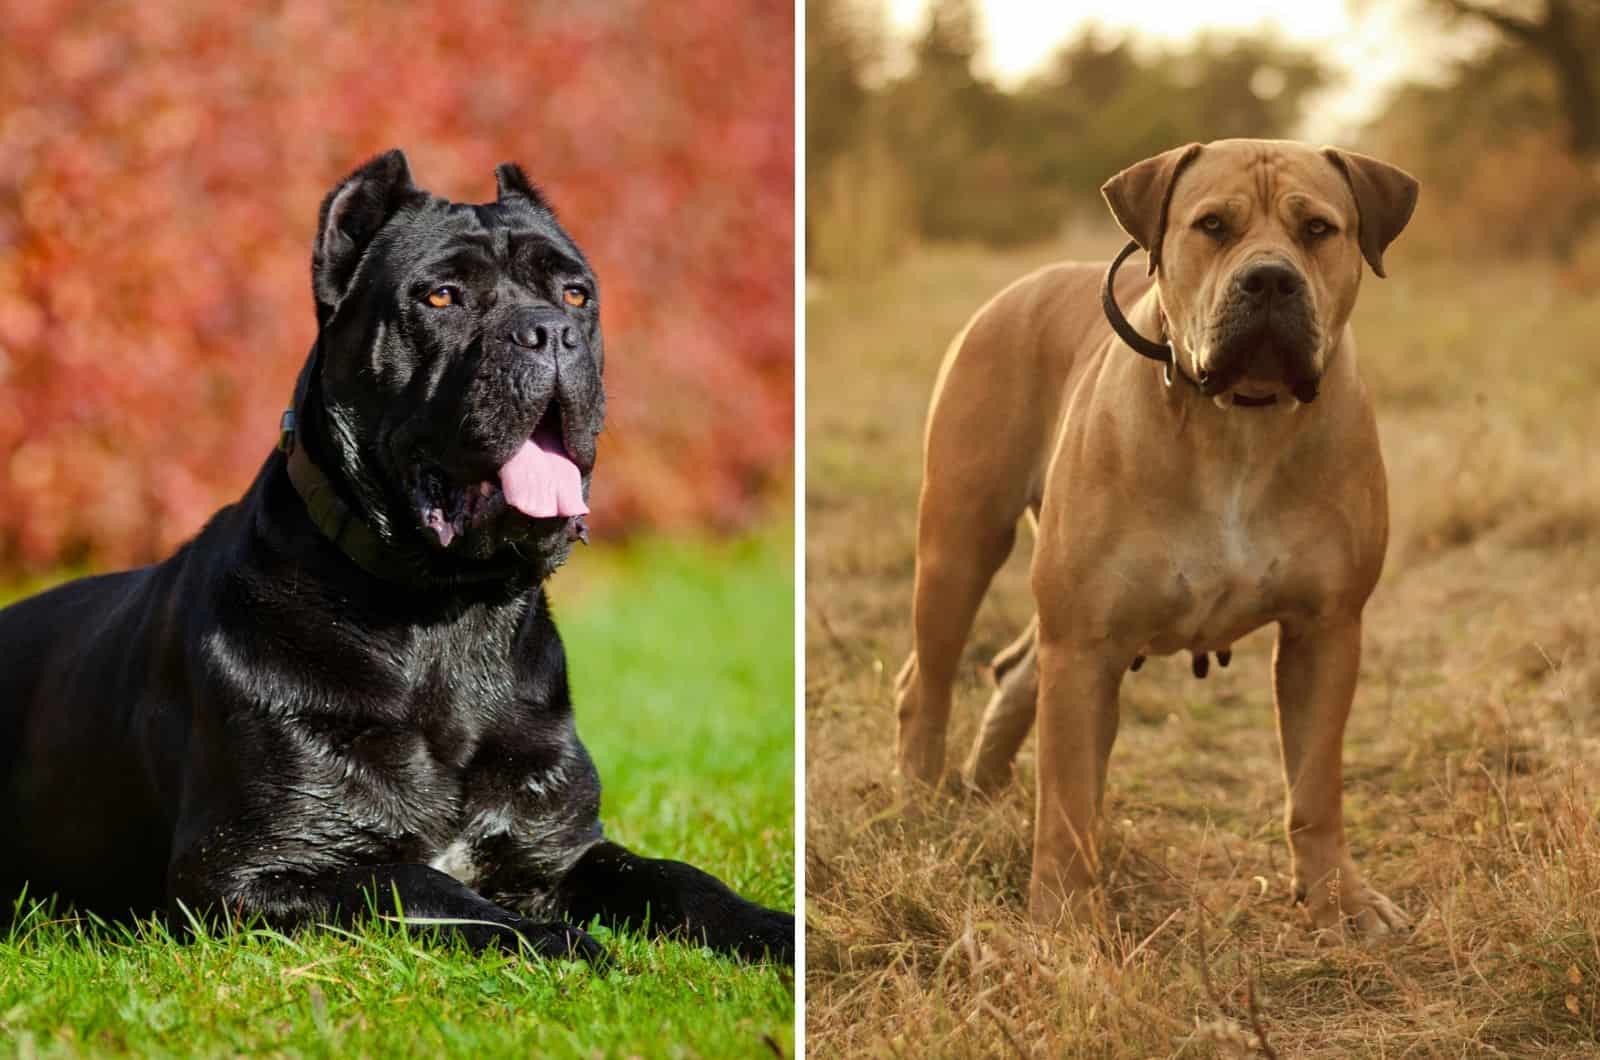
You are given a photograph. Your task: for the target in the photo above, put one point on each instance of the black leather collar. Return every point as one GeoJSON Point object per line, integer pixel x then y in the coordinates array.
{"type": "Point", "coordinates": [1156, 351]}
{"type": "Point", "coordinates": [331, 516]}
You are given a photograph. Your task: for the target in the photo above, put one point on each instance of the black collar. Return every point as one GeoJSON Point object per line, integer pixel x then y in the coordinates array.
{"type": "Point", "coordinates": [331, 516]}
{"type": "Point", "coordinates": [1156, 351]}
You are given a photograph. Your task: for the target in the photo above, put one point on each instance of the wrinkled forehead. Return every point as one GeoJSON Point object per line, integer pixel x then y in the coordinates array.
{"type": "Point", "coordinates": [501, 234]}
{"type": "Point", "coordinates": [1259, 173]}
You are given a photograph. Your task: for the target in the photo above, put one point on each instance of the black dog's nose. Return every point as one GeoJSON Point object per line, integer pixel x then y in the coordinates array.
{"type": "Point", "coordinates": [535, 331]}
{"type": "Point", "coordinates": [1268, 281]}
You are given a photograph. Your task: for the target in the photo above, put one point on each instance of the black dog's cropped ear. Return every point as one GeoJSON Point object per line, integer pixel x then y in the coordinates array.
{"type": "Point", "coordinates": [1140, 194]}
{"type": "Point", "coordinates": [351, 215]}
{"type": "Point", "coordinates": [512, 182]}
{"type": "Point", "coordinates": [1385, 196]}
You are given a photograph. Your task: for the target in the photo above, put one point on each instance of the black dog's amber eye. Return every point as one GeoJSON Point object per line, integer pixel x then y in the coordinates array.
{"type": "Point", "coordinates": [444, 296]}
{"type": "Point", "coordinates": [575, 296]}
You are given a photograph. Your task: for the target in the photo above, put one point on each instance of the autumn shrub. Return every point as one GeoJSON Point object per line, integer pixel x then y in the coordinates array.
{"type": "Point", "coordinates": [1527, 197]}
{"type": "Point", "coordinates": [160, 170]}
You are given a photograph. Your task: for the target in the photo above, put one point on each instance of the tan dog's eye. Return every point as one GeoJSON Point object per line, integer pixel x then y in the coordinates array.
{"type": "Point", "coordinates": [1212, 224]}
{"type": "Point", "coordinates": [575, 296]}
{"type": "Point", "coordinates": [1317, 227]}
{"type": "Point", "coordinates": [444, 296]}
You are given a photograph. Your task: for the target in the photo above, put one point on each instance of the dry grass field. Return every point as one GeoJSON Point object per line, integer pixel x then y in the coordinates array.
{"type": "Point", "coordinates": [1473, 753]}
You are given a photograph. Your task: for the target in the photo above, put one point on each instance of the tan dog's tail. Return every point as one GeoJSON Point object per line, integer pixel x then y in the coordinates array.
{"type": "Point", "coordinates": [1012, 654]}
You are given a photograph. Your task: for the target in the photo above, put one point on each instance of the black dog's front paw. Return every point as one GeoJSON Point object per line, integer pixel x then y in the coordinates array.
{"type": "Point", "coordinates": [562, 941]}
{"type": "Point", "coordinates": [760, 934]}
{"type": "Point", "coordinates": [674, 900]}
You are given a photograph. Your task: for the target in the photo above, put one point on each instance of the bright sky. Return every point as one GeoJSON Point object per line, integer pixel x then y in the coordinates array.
{"type": "Point", "coordinates": [1382, 44]}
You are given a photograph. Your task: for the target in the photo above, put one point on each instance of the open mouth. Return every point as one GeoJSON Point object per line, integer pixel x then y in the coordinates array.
{"type": "Point", "coordinates": [540, 481]}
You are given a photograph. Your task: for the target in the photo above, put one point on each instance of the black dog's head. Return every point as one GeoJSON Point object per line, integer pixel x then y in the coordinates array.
{"type": "Point", "coordinates": [457, 393]}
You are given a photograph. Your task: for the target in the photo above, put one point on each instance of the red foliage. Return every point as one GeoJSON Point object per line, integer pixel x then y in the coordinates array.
{"type": "Point", "coordinates": [160, 171]}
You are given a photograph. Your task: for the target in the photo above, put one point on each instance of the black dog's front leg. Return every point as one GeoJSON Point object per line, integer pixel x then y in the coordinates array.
{"type": "Point", "coordinates": [432, 901]}
{"type": "Point", "coordinates": [429, 902]}
{"type": "Point", "coordinates": [674, 899]}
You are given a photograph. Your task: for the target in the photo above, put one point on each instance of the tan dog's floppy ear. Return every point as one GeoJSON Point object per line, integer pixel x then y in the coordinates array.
{"type": "Point", "coordinates": [1138, 197]}
{"type": "Point", "coordinates": [1385, 196]}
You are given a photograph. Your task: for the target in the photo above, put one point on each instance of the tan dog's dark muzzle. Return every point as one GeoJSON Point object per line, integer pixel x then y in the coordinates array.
{"type": "Point", "coordinates": [1265, 331]}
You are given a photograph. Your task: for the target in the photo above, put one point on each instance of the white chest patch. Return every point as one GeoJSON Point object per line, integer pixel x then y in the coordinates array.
{"type": "Point", "coordinates": [456, 860]}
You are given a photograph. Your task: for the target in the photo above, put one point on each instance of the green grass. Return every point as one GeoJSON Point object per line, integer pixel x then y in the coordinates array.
{"type": "Point", "coordinates": [683, 673]}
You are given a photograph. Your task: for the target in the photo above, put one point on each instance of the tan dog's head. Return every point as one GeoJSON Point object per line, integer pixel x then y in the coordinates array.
{"type": "Point", "coordinates": [1257, 249]}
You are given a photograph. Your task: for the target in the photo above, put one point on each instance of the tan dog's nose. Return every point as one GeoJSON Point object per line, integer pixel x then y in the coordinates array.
{"type": "Point", "coordinates": [1269, 281]}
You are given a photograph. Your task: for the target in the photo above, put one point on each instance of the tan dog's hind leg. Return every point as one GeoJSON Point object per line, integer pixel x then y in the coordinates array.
{"type": "Point", "coordinates": [959, 547]}
{"type": "Point", "coordinates": [1314, 680]}
{"type": "Point", "coordinates": [1009, 715]}
{"type": "Point", "coordinates": [1077, 711]}
{"type": "Point", "coordinates": [981, 453]}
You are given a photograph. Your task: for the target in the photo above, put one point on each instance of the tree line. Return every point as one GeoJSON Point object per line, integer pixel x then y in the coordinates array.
{"type": "Point", "coordinates": [936, 151]}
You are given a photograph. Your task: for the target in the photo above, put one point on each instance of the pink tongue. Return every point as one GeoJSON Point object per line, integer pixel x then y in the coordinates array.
{"type": "Point", "coordinates": [541, 480]}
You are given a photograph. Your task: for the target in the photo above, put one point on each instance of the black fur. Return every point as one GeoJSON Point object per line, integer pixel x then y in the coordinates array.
{"type": "Point", "coordinates": [259, 726]}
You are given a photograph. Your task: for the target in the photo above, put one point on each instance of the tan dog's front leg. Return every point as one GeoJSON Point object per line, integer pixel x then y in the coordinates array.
{"type": "Point", "coordinates": [1078, 687]}
{"type": "Point", "coordinates": [1314, 681]}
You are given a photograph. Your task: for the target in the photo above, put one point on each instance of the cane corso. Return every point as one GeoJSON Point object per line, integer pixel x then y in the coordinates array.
{"type": "Point", "coordinates": [347, 693]}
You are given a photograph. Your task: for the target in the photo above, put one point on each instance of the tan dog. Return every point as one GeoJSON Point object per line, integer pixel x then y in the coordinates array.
{"type": "Point", "coordinates": [1173, 514]}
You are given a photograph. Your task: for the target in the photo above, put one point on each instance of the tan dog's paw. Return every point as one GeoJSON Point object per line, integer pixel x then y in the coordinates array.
{"type": "Point", "coordinates": [1066, 911]}
{"type": "Point", "coordinates": [919, 754]}
{"type": "Point", "coordinates": [918, 771]}
{"type": "Point", "coordinates": [1342, 903]}
{"type": "Point", "coordinates": [985, 779]}
{"type": "Point", "coordinates": [1065, 915]}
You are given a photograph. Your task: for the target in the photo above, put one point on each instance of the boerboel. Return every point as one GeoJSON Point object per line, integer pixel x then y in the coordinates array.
{"type": "Point", "coordinates": [1199, 467]}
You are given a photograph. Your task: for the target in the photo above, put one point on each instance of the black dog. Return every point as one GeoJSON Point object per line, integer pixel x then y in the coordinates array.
{"type": "Point", "coordinates": [348, 688]}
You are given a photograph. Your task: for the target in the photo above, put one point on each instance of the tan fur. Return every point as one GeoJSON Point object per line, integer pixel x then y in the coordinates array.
{"type": "Point", "coordinates": [1166, 522]}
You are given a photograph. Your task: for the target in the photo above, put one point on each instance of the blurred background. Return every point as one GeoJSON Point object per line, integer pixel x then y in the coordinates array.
{"type": "Point", "coordinates": [938, 120]}
{"type": "Point", "coordinates": [955, 146]}
{"type": "Point", "coordinates": [161, 166]}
